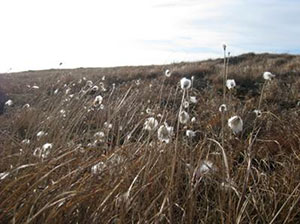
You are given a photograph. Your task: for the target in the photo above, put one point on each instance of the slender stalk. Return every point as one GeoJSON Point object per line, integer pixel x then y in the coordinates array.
{"type": "Point", "coordinates": [261, 95]}
{"type": "Point", "coordinates": [223, 124]}
{"type": "Point", "coordinates": [255, 120]}
{"type": "Point", "coordinates": [224, 96]}
{"type": "Point", "coordinates": [224, 77]}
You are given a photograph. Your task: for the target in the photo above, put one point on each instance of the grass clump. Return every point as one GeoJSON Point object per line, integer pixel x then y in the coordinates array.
{"type": "Point", "coordinates": [137, 145]}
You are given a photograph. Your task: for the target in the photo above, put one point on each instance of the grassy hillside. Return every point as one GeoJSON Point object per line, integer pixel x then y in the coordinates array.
{"type": "Point", "coordinates": [82, 145]}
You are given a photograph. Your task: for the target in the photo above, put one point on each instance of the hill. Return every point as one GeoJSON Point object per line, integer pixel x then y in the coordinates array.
{"type": "Point", "coordinates": [133, 145]}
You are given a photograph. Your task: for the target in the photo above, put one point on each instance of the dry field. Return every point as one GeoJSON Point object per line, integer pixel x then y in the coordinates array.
{"type": "Point", "coordinates": [113, 145]}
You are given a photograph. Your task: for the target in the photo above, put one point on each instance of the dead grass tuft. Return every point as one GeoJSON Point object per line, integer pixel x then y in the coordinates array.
{"type": "Point", "coordinates": [126, 175]}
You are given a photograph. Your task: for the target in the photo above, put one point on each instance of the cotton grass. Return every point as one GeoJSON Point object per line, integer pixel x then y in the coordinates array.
{"type": "Point", "coordinates": [98, 168]}
{"type": "Point", "coordinates": [193, 99]}
{"type": "Point", "coordinates": [258, 113]}
{"type": "Point", "coordinates": [236, 124]}
{"type": "Point", "coordinates": [150, 124]}
{"type": "Point", "coordinates": [223, 108]}
{"type": "Point", "coordinates": [190, 133]}
{"type": "Point", "coordinates": [44, 151]}
{"type": "Point", "coordinates": [9, 103]}
{"type": "Point", "coordinates": [97, 101]}
{"type": "Point", "coordinates": [205, 168]}
{"type": "Point", "coordinates": [184, 117]}
{"type": "Point", "coordinates": [268, 76]}
{"type": "Point", "coordinates": [125, 165]}
{"type": "Point", "coordinates": [41, 134]}
{"type": "Point", "coordinates": [230, 84]}
{"type": "Point", "coordinates": [168, 73]}
{"type": "Point", "coordinates": [185, 83]}
{"type": "Point", "coordinates": [165, 133]}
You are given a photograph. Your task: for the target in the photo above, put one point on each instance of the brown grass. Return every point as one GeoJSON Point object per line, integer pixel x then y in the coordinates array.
{"type": "Point", "coordinates": [140, 179]}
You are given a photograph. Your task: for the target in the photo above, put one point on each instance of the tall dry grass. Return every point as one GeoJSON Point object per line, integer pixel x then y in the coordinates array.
{"type": "Point", "coordinates": [128, 175]}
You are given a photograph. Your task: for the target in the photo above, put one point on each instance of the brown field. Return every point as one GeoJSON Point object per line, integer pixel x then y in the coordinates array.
{"type": "Point", "coordinates": [254, 176]}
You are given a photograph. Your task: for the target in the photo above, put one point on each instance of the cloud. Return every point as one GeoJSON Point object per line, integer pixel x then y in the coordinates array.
{"type": "Point", "coordinates": [40, 34]}
{"type": "Point", "coordinates": [255, 25]}
{"type": "Point", "coordinates": [244, 25]}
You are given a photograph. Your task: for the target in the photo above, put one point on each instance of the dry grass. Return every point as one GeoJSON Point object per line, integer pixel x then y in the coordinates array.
{"type": "Point", "coordinates": [140, 179]}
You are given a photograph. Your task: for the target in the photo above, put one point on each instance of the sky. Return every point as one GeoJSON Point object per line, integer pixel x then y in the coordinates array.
{"type": "Point", "coordinates": [40, 34]}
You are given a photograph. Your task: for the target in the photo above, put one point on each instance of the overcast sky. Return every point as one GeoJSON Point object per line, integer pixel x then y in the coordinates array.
{"type": "Point", "coordinates": [39, 34]}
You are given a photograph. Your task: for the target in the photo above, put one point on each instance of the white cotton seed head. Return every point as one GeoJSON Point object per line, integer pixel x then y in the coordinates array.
{"type": "Point", "coordinates": [236, 124]}
{"type": "Point", "coordinates": [190, 133]}
{"type": "Point", "coordinates": [167, 73]}
{"type": "Point", "coordinates": [185, 83]}
{"type": "Point", "coordinates": [98, 101]}
{"type": "Point", "coordinates": [89, 84]}
{"type": "Point", "coordinates": [165, 133]}
{"type": "Point", "coordinates": [44, 151]}
{"type": "Point", "coordinates": [95, 89]}
{"type": "Point", "coordinates": [205, 167]}
{"type": "Point", "coordinates": [184, 117]}
{"type": "Point", "coordinates": [102, 87]}
{"type": "Point", "coordinates": [107, 125]}
{"type": "Point", "coordinates": [230, 83]}
{"type": "Point", "coordinates": [149, 111]}
{"type": "Point", "coordinates": [150, 124]}
{"type": "Point", "coordinates": [193, 99]}
{"type": "Point", "coordinates": [26, 106]}
{"type": "Point", "coordinates": [268, 76]}
{"type": "Point", "coordinates": [62, 112]}
{"type": "Point", "coordinates": [26, 142]}
{"type": "Point", "coordinates": [258, 113]}
{"type": "Point", "coordinates": [47, 146]}
{"type": "Point", "coordinates": [98, 168]}
{"type": "Point", "coordinates": [99, 136]}
{"type": "Point", "coordinates": [185, 104]}
{"type": "Point", "coordinates": [9, 103]}
{"type": "Point", "coordinates": [223, 108]}
{"type": "Point", "coordinates": [40, 134]}
{"type": "Point", "coordinates": [193, 120]}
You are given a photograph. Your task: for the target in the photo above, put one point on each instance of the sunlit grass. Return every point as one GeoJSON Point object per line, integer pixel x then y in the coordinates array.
{"type": "Point", "coordinates": [153, 144]}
